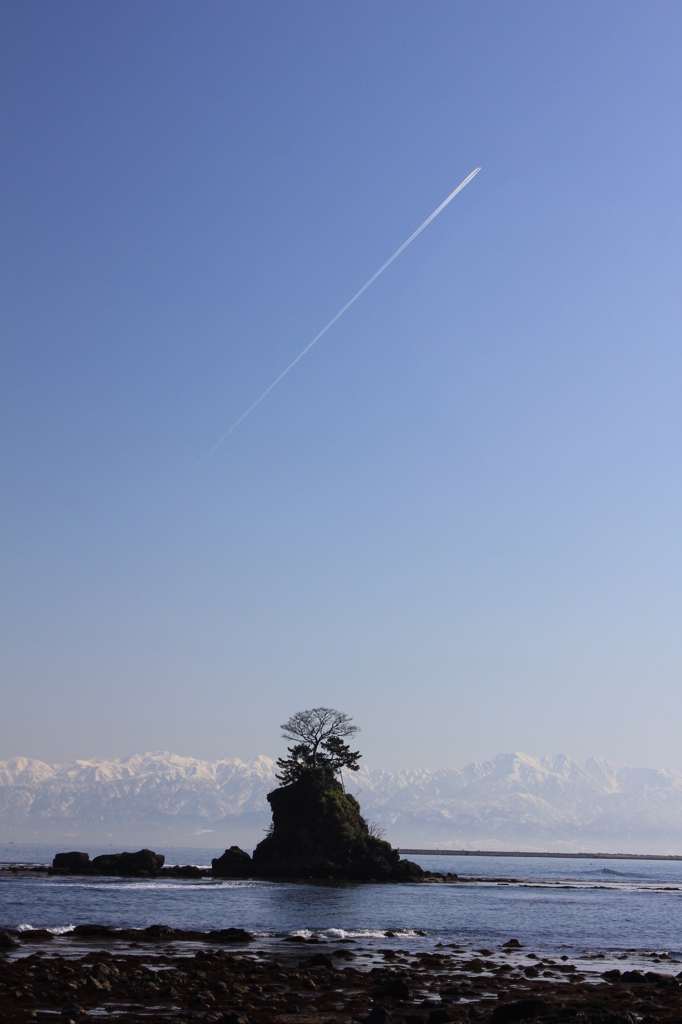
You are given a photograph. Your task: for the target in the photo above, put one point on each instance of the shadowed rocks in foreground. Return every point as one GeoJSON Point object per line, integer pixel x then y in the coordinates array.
{"type": "Point", "coordinates": [154, 982]}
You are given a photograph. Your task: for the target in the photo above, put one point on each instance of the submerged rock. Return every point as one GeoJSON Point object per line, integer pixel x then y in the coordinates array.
{"type": "Point", "coordinates": [130, 865]}
{"type": "Point", "coordinates": [318, 832]}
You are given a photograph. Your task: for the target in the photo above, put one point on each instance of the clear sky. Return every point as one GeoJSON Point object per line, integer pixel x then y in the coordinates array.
{"type": "Point", "coordinates": [459, 518]}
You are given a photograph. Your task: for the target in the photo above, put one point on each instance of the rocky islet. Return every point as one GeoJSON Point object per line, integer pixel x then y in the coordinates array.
{"type": "Point", "coordinates": [317, 832]}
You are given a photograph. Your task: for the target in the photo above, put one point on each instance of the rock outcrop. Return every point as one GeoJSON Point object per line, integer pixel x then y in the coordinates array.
{"type": "Point", "coordinates": [73, 863]}
{"type": "Point", "coordinates": [318, 832]}
{"type": "Point", "coordinates": [143, 864]}
{"type": "Point", "coordinates": [234, 863]}
{"type": "Point", "coordinates": [130, 865]}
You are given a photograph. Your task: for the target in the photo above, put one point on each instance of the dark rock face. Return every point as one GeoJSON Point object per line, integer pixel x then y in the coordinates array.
{"type": "Point", "coordinates": [234, 863]}
{"type": "Point", "coordinates": [318, 832]}
{"type": "Point", "coordinates": [130, 865]}
{"type": "Point", "coordinates": [408, 871]}
{"type": "Point", "coordinates": [73, 863]}
{"type": "Point", "coordinates": [143, 864]}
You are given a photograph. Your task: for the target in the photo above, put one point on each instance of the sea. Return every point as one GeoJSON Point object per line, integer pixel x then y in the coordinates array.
{"type": "Point", "coordinates": [614, 910]}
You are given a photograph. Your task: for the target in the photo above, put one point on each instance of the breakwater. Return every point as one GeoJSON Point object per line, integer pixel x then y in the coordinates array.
{"type": "Point", "coordinates": [549, 855]}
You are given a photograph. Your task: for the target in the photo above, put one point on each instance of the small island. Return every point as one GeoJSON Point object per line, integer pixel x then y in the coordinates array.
{"type": "Point", "coordinates": [317, 829]}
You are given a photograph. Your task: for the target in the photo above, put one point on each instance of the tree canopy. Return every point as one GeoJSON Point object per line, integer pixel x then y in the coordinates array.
{"type": "Point", "coordinates": [319, 734]}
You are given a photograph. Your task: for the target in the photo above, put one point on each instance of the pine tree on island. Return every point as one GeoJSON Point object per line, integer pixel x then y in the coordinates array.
{"type": "Point", "coordinates": [320, 733]}
{"type": "Point", "coordinates": [317, 830]}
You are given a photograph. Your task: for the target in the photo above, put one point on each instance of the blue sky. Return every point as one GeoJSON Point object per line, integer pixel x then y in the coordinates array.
{"type": "Point", "coordinates": [458, 519]}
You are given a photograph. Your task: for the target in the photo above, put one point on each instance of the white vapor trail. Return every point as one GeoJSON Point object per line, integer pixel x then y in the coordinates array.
{"type": "Point", "coordinates": [340, 313]}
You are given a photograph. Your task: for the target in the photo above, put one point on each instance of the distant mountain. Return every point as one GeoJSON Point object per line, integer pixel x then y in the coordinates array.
{"type": "Point", "coordinates": [514, 801]}
{"type": "Point", "coordinates": [154, 797]}
{"type": "Point", "coordinates": [521, 802]}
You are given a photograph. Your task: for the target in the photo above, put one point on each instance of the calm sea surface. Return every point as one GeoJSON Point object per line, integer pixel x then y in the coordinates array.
{"type": "Point", "coordinates": [578, 907]}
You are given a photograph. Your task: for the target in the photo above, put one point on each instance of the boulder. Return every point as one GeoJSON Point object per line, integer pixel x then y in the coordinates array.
{"type": "Point", "coordinates": [129, 865]}
{"type": "Point", "coordinates": [234, 863]}
{"type": "Point", "coordinates": [73, 863]}
{"type": "Point", "coordinates": [6, 941]}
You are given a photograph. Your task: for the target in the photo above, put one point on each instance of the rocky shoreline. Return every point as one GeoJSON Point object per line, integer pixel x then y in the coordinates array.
{"type": "Point", "coordinates": [159, 975]}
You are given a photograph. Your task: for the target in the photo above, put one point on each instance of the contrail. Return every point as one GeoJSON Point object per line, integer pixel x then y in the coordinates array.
{"type": "Point", "coordinates": [340, 313]}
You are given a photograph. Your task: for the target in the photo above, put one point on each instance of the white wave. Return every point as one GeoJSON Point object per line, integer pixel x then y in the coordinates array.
{"type": "Point", "coordinates": [338, 934]}
{"type": "Point", "coordinates": [57, 930]}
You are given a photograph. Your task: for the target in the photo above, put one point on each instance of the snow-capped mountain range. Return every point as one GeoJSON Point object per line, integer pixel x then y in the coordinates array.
{"type": "Point", "coordinates": [511, 802]}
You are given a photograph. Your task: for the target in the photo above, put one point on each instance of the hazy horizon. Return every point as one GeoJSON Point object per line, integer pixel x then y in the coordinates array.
{"type": "Point", "coordinates": [513, 801]}
{"type": "Point", "coordinates": [163, 752]}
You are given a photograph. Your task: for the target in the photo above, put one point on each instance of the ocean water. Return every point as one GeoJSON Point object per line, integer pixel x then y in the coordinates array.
{"type": "Point", "coordinates": [572, 907]}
